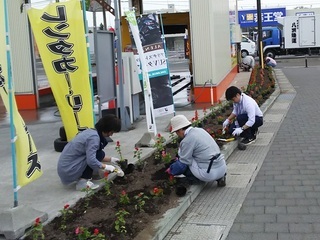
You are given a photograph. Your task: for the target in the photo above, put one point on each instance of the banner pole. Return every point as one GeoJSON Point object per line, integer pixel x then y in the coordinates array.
{"type": "Point", "coordinates": [12, 130]}
{"type": "Point", "coordinates": [83, 3]}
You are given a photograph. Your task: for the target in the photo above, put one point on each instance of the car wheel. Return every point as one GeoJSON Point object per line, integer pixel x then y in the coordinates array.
{"type": "Point", "coordinates": [270, 53]}
{"type": "Point", "coordinates": [59, 145]}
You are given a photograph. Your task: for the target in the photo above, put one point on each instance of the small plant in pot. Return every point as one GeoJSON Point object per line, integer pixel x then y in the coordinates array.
{"type": "Point", "coordinates": [123, 162]}
{"type": "Point", "coordinates": [137, 154]}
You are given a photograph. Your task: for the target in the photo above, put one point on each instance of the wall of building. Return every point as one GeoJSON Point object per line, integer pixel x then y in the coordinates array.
{"type": "Point", "coordinates": [210, 44]}
{"type": "Point", "coordinates": [22, 62]}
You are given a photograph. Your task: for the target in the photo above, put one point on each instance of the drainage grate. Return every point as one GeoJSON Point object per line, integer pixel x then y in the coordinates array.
{"type": "Point", "coordinates": [199, 232]}
{"type": "Point", "coordinates": [273, 117]}
{"type": "Point", "coordinates": [280, 106]}
{"type": "Point", "coordinates": [263, 139]}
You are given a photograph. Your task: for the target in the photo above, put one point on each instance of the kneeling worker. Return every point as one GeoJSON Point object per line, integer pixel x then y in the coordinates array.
{"type": "Point", "coordinates": [200, 158]}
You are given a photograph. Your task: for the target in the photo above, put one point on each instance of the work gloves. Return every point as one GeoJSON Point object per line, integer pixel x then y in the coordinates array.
{"type": "Point", "coordinates": [109, 168]}
{"type": "Point", "coordinates": [116, 170]}
{"type": "Point", "coordinates": [115, 160]}
{"type": "Point", "coordinates": [237, 131]}
{"type": "Point", "coordinates": [226, 123]}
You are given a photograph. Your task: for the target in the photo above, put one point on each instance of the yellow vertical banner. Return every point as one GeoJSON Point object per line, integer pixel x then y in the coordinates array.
{"type": "Point", "coordinates": [60, 36]}
{"type": "Point", "coordinates": [27, 161]}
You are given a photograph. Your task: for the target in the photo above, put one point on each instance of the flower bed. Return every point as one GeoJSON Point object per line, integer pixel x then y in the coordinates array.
{"type": "Point", "coordinates": [124, 207]}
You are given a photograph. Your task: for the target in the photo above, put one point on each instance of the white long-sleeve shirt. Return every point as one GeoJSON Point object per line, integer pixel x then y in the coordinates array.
{"type": "Point", "coordinates": [249, 106]}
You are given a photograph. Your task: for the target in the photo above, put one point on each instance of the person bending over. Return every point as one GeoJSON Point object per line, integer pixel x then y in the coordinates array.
{"type": "Point", "coordinates": [84, 154]}
{"type": "Point", "coordinates": [199, 156]}
{"type": "Point", "coordinates": [246, 113]}
{"type": "Point", "coordinates": [247, 63]}
{"type": "Point", "coordinates": [270, 62]}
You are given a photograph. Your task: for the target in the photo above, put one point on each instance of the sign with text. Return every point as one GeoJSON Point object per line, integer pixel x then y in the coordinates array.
{"type": "Point", "coordinates": [59, 33]}
{"type": "Point", "coordinates": [248, 18]}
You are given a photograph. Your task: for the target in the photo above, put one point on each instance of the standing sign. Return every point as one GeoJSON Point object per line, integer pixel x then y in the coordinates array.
{"type": "Point", "coordinates": [156, 63]}
{"type": "Point", "coordinates": [59, 33]}
{"type": "Point", "coordinates": [248, 18]}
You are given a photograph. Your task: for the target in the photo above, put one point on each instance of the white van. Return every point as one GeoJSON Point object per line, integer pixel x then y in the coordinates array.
{"type": "Point", "coordinates": [248, 46]}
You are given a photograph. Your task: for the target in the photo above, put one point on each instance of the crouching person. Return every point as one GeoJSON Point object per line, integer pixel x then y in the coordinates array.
{"type": "Point", "coordinates": [84, 154]}
{"type": "Point", "coordinates": [199, 158]}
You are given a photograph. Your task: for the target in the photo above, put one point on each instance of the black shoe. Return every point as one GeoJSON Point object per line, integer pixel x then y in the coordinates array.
{"type": "Point", "coordinates": [222, 181]}
{"type": "Point", "coordinates": [248, 141]}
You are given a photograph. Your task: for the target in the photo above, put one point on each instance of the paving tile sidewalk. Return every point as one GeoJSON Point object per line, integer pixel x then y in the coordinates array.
{"type": "Point", "coordinates": [283, 202]}
{"type": "Point", "coordinates": [211, 215]}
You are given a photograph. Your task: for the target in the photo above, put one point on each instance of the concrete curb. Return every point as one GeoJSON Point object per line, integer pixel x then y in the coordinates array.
{"type": "Point", "coordinates": [170, 218]}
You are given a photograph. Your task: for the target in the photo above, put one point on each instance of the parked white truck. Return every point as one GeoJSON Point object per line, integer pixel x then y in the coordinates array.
{"type": "Point", "coordinates": [295, 35]}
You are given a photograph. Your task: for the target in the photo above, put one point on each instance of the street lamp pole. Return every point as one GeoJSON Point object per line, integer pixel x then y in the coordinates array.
{"type": "Point", "coordinates": [260, 34]}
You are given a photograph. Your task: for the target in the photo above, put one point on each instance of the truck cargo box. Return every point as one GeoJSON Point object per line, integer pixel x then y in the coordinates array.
{"type": "Point", "coordinates": [300, 31]}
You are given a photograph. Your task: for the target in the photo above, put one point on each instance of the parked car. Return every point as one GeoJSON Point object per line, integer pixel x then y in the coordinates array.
{"type": "Point", "coordinates": [248, 47]}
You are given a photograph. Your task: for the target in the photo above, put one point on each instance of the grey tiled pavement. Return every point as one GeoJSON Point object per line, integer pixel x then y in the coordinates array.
{"type": "Point", "coordinates": [273, 187]}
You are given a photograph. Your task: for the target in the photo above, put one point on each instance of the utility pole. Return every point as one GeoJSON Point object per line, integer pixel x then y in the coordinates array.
{"type": "Point", "coordinates": [260, 34]}
{"type": "Point", "coordinates": [120, 98]}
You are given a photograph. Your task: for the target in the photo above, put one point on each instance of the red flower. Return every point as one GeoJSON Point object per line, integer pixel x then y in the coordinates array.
{"type": "Point", "coordinates": [66, 206]}
{"type": "Point", "coordinates": [118, 144]}
{"type": "Point", "coordinates": [171, 177]}
{"type": "Point", "coordinates": [123, 192]}
{"type": "Point", "coordinates": [170, 129]}
{"type": "Point", "coordinates": [37, 221]}
{"type": "Point", "coordinates": [155, 190]}
{"type": "Point", "coordinates": [196, 115]}
{"type": "Point", "coordinates": [137, 149]}
{"type": "Point", "coordinates": [159, 135]}
{"type": "Point", "coordinates": [96, 231]}
{"type": "Point", "coordinates": [106, 174]}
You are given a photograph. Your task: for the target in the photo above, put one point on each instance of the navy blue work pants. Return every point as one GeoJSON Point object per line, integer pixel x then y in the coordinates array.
{"type": "Point", "coordinates": [87, 173]}
{"type": "Point", "coordinates": [249, 132]}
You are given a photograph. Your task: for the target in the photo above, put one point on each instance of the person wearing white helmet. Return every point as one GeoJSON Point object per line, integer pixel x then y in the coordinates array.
{"type": "Point", "coordinates": [84, 154]}
{"type": "Point", "coordinates": [199, 155]}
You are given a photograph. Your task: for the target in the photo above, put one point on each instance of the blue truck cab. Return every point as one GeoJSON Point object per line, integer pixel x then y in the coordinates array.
{"type": "Point", "coordinates": [271, 41]}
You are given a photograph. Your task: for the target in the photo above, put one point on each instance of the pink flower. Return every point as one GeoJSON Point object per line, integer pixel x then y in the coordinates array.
{"type": "Point", "coordinates": [77, 231]}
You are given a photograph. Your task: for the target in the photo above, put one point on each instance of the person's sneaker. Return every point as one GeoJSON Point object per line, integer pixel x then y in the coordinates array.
{"type": "Point", "coordinates": [83, 184]}
{"type": "Point", "coordinates": [248, 141]}
{"type": "Point", "coordinates": [222, 181]}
